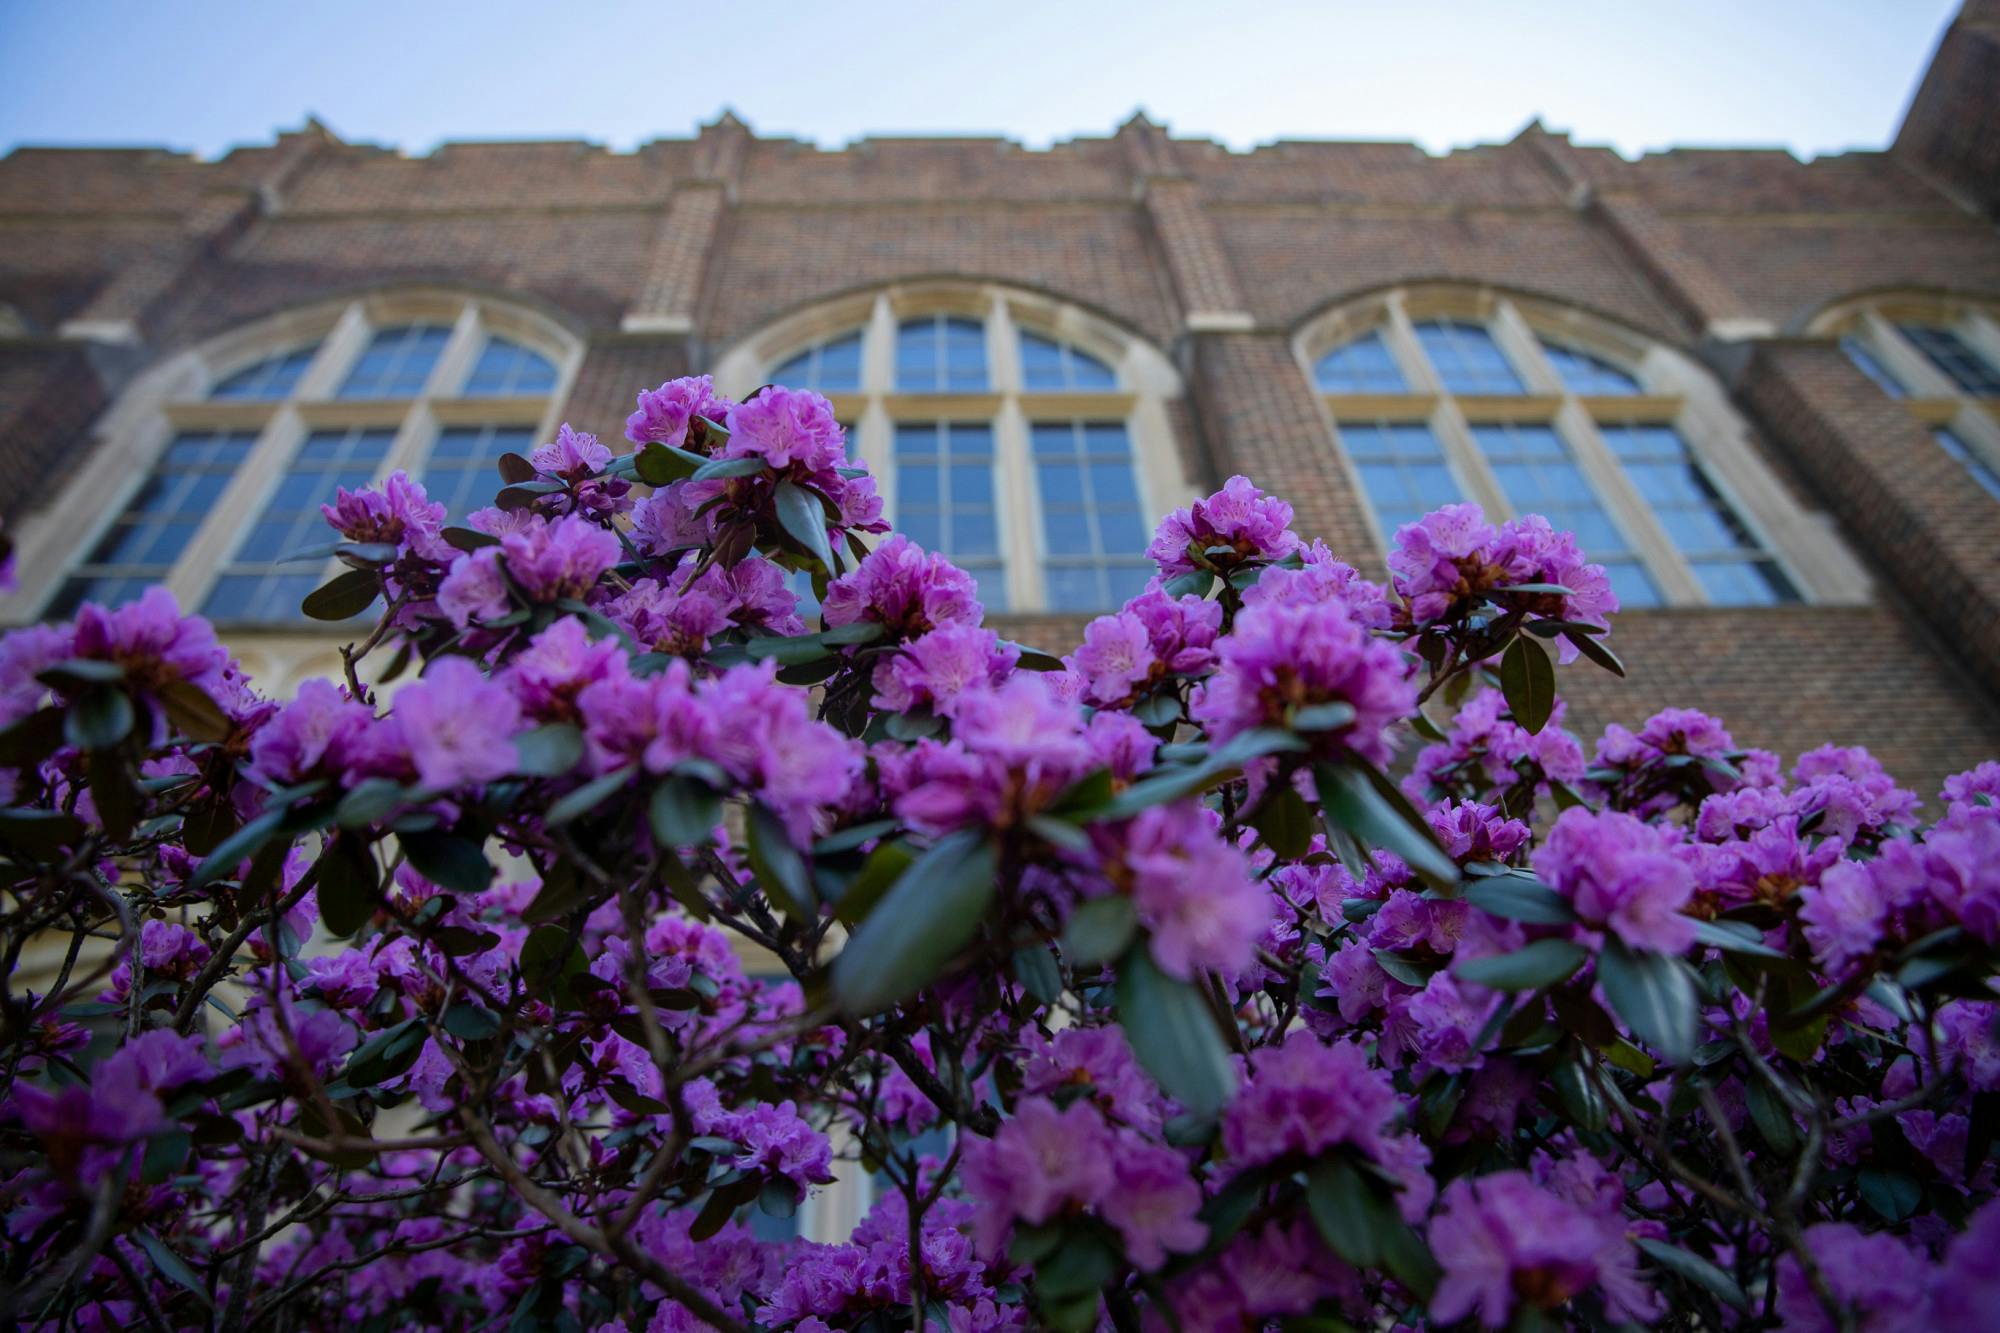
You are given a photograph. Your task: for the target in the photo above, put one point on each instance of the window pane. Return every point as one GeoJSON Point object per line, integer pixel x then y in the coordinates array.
{"type": "Point", "coordinates": [1047, 364]}
{"type": "Point", "coordinates": [258, 585]}
{"type": "Point", "coordinates": [1535, 469]}
{"type": "Point", "coordinates": [1402, 470]}
{"type": "Point", "coordinates": [463, 473]}
{"type": "Point", "coordinates": [157, 523]}
{"type": "Point", "coordinates": [1857, 352]}
{"type": "Point", "coordinates": [937, 354]}
{"type": "Point", "coordinates": [1362, 366]}
{"type": "Point", "coordinates": [397, 363]}
{"type": "Point", "coordinates": [831, 367]}
{"type": "Point", "coordinates": [508, 369]}
{"type": "Point", "coordinates": [1988, 480]}
{"type": "Point", "coordinates": [1092, 523]}
{"type": "Point", "coordinates": [1466, 358]}
{"type": "Point", "coordinates": [1951, 354]}
{"type": "Point", "coordinates": [1699, 520]}
{"type": "Point", "coordinates": [274, 377]}
{"type": "Point", "coordinates": [1583, 373]}
{"type": "Point", "coordinates": [1634, 586]}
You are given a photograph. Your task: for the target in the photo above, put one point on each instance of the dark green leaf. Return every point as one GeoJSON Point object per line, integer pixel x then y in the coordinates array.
{"type": "Point", "coordinates": [100, 719]}
{"type": "Point", "coordinates": [1285, 821]}
{"type": "Point", "coordinates": [1553, 589]}
{"type": "Point", "coordinates": [348, 882]}
{"type": "Point", "coordinates": [366, 554]}
{"type": "Point", "coordinates": [1579, 1096]}
{"type": "Point", "coordinates": [1059, 833]}
{"type": "Point", "coordinates": [931, 912]}
{"type": "Point", "coordinates": [471, 1022]}
{"type": "Point", "coordinates": [1173, 1032]}
{"type": "Point", "coordinates": [716, 469]}
{"type": "Point", "coordinates": [244, 842]}
{"type": "Point", "coordinates": [1350, 1212]}
{"type": "Point", "coordinates": [1655, 996]}
{"type": "Point", "coordinates": [1519, 897]}
{"type": "Point", "coordinates": [684, 811]}
{"type": "Point", "coordinates": [76, 674]}
{"type": "Point", "coordinates": [1531, 967]}
{"type": "Point", "coordinates": [549, 958]}
{"type": "Point", "coordinates": [343, 598]}
{"type": "Point", "coordinates": [564, 889]}
{"type": "Point", "coordinates": [658, 464]}
{"type": "Point", "coordinates": [1893, 1195]}
{"type": "Point", "coordinates": [191, 712]}
{"type": "Point", "coordinates": [111, 788]}
{"type": "Point", "coordinates": [1702, 1272]}
{"type": "Point", "coordinates": [1159, 710]}
{"type": "Point", "coordinates": [368, 802]}
{"type": "Point", "coordinates": [853, 838]}
{"type": "Point", "coordinates": [590, 795]}
{"type": "Point", "coordinates": [803, 518]}
{"type": "Point", "coordinates": [40, 833]}
{"type": "Point", "coordinates": [1406, 970]}
{"type": "Point", "coordinates": [779, 868]}
{"type": "Point", "coordinates": [172, 1267]}
{"type": "Point", "coordinates": [1035, 968]}
{"type": "Point", "coordinates": [1323, 717]}
{"type": "Point", "coordinates": [1195, 583]}
{"type": "Point", "coordinates": [449, 861]}
{"type": "Point", "coordinates": [32, 739]}
{"type": "Point", "coordinates": [1358, 804]}
{"type": "Point", "coordinates": [1595, 650]}
{"type": "Point", "coordinates": [549, 751]}
{"type": "Point", "coordinates": [884, 866]}
{"type": "Point", "coordinates": [1734, 937]}
{"type": "Point", "coordinates": [1099, 930]}
{"type": "Point", "coordinates": [793, 650]}
{"type": "Point", "coordinates": [853, 632]}
{"type": "Point", "coordinates": [1528, 680]}
{"type": "Point", "coordinates": [469, 539]}
{"type": "Point", "coordinates": [1773, 1121]}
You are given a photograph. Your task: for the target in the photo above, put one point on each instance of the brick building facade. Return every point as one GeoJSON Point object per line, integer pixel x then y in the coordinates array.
{"type": "Point", "coordinates": [1802, 340]}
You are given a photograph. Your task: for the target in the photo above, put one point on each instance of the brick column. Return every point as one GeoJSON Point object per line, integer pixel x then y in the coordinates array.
{"type": "Point", "coordinates": [1199, 268]}
{"type": "Point", "coordinates": [615, 367]}
{"type": "Point", "coordinates": [669, 300]}
{"type": "Point", "coordinates": [1922, 521]}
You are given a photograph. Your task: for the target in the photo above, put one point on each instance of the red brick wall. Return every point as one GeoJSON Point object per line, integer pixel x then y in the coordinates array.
{"type": "Point", "coordinates": [732, 231]}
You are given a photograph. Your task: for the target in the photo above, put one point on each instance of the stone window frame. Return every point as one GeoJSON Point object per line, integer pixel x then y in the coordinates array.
{"type": "Point", "coordinates": [1147, 385]}
{"type": "Point", "coordinates": [1673, 390]}
{"type": "Point", "coordinates": [172, 397]}
{"type": "Point", "coordinates": [1929, 395]}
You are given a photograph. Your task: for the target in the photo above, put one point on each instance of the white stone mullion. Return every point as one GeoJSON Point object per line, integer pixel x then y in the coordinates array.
{"type": "Point", "coordinates": [461, 349]}
{"type": "Point", "coordinates": [1400, 333]}
{"type": "Point", "coordinates": [1019, 509]}
{"type": "Point", "coordinates": [1979, 431]}
{"type": "Point", "coordinates": [1982, 334]}
{"type": "Point", "coordinates": [1628, 509]}
{"type": "Point", "coordinates": [415, 439]}
{"type": "Point", "coordinates": [1917, 374]}
{"type": "Point", "coordinates": [336, 356]}
{"type": "Point", "coordinates": [241, 504]}
{"type": "Point", "coordinates": [1519, 345]}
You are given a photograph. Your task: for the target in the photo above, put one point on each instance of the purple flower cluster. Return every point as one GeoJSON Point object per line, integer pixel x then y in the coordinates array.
{"type": "Point", "coordinates": [1192, 889]}
{"type": "Point", "coordinates": [1125, 654]}
{"type": "Point", "coordinates": [1622, 876]}
{"type": "Point", "coordinates": [1442, 565]}
{"type": "Point", "coordinates": [544, 562]}
{"type": "Point", "coordinates": [1909, 889]}
{"type": "Point", "coordinates": [905, 589]}
{"type": "Point", "coordinates": [1238, 524]}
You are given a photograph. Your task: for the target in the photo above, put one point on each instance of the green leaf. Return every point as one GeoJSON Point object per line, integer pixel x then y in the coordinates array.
{"type": "Point", "coordinates": [100, 719]}
{"type": "Point", "coordinates": [469, 539]}
{"type": "Point", "coordinates": [885, 865]}
{"type": "Point", "coordinates": [1059, 833]}
{"type": "Point", "coordinates": [933, 910]}
{"type": "Point", "coordinates": [1350, 1212]}
{"type": "Point", "coordinates": [471, 1022]}
{"type": "Point", "coordinates": [1035, 968]}
{"type": "Point", "coordinates": [1099, 930]}
{"type": "Point", "coordinates": [1323, 717]}
{"type": "Point", "coordinates": [1773, 1120]}
{"type": "Point", "coordinates": [563, 890]}
{"type": "Point", "coordinates": [1595, 650]}
{"type": "Point", "coordinates": [386, 1054]}
{"type": "Point", "coordinates": [779, 868]}
{"type": "Point", "coordinates": [40, 833]}
{"type": "Point", "coordinates": [245, 842]}
{"type": "Point", "coordinates": [549, 958]}
{"type": "Point", "coordinates": [1579, 1096]}
{"type": "Point", "coordinates": [348, 883]}
{"type": "Point", "coordinates": [1285, 821]}
{"type": "Point", "coordinates": [172, 1267]}
{"type": "Point", "coordinates": [77, 674]}
{"type": "Point", "coordinates": [1159, 710]}
{"type": "Point", "coordinates": [1655, 996]}
{"type": "Point", "coordinates": [788, 650]}
{"type": "Point", "coordinates": [1351, 798]}
{"type": "Point", "coordinates": [191, 712]}
{"type": "Point", "coordinates": [549, 751]}
{"type": "Point", "coordinates": [1702, 1272]}
{"type": "Point", "coordinates": [449, 861]}
{"type": "Point", "coordinates": [853, 632]}
{"type": "Point", "coordinates": [345, 597]}
{"type": "Point", "coordinates": [1553, 589]}
{"type": "Point", "coordinates": [1893, 1195]}
{"type": "Point", "coordinates": [32, 739]}
{"type": "Point", "coordinates": [1531, 967]}
{"type": "Point", "coordinates": [1195, 583]}
{"type": "Point", "coordinates": [684, 811]}
{"type": "Point", "coordinates": [1519, 897]}
{"type": "Point", "coordinates": [716, 469]}
{"type": "Point", "coordinates": [1528, 680]}
{"type": "Point", "coordinates": [803, 518]}
{"type": "Point", "coordinates": [590, 795]}
{"type": "Point", "coordinates": [368, 802]}
{"type": "Point", "coordinates": [1406, 970]}
{"type": "Point", "coordinates": [1173, 1032]}
{"type": "Point", "coordinates": [659, 464]}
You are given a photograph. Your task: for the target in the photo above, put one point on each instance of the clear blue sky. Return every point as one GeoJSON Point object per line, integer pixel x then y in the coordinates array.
{"type": "Point", "coordinates": [1813, 75]}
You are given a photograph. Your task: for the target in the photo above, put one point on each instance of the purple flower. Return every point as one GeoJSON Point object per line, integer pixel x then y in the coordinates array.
{"type": "Point", "coordinates": [1014, 749]}
{"type": "Point", "coordinates": [1322, 578]}
{"type": "Point", "coordinates": [1500, 1240]}
{"type": "Point", "coordinates": [1036, 1162]}
{"type": "Point", "coordinates": [457, 725]}
{"type": "Point", "coordinates": [309, 736]}
{"type": "Point", "coordinates": [153, 642]}
{"type": "Point", "coordinates": [1977, 788]}
{"type": "Point", "coordinates": [547, 562]}
{"type": "Point", "coordinates": [24, 654]}
{"type": "Point", "coordinates": [556, 667]}
{"type": "Point", "coordinates": [667, 522]}
{"type": "Point", "coordinates": [400, 514]}
{"type": "Point", "coordinates": [1116, 656]}
{"type": "Point", "coordinates": [1304, 1097]}
{"type": "Point", "coordinates": [1471, 831]}
{"type": "Point", "coordinates": [1622, 876]}
{"type": "Point", "coordinates": [572, 455]}
{"type": "Point", "coordinates": [1966, 1288]}
{"type": "Point", "coordinates": [1429, 559]}
{"type": "Point", "coordinates": [905, 589]}
{"type": "Point", "coordinates": [933, 671]}
{"type": "Point", "coordinates": [1193, 891]}
{"type": "Point", "coordinates": [787, 428]}
{"type": "Point", "coordinates": [778, 1144]}
{"type": "Point", "coordinates": [1248, 523]}
{"type": "Point", "coordinates": [1153, 1202]}
{"type": "Point", "coordinates": [667, 414]}
{"type": "Point", "coordinates": [1530, 551]}
{"type": "Point", "coordinates": [1876, 1277]}
{"type": "Point", "coordinates": [1281, 658]}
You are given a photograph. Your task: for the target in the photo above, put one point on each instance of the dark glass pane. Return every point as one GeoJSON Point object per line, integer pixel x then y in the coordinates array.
{"type": "Point", "coordinates": [917, 484]}
{"type": "Point", "coordinates": [1073, 588]}
{"type": "Point", "coordinates": [1123, 531]}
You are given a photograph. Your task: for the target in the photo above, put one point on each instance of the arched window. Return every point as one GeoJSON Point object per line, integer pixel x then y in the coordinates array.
{"type": "Point", "coordinates": [1441, 394]}
{"type": "Point", "coordinates": [1941, 358]}
{"type": "Point", "coordinates": [229, 450]}
{"type": "Point", "coordinates": [1026, 440]}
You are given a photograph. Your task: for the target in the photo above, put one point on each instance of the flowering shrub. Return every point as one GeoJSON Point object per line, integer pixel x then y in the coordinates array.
{"type": "Point", "coordinates": [1148, 997]}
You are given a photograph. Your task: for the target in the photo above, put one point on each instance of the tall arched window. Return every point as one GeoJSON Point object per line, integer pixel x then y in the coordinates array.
{"type": "Point", "coordinates": [1440, 394]}
{"type": "Point", "coordinates": [1941, 358]}
{"type": "Point", "coordinates": [223, 455]}
{"type": "Point", "coordinates": [1025, 439]}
